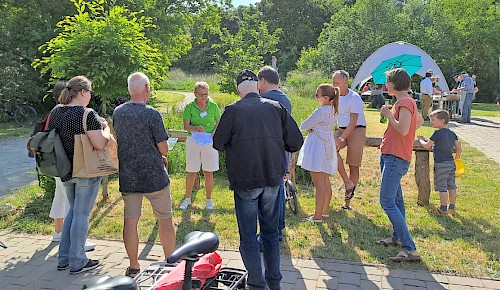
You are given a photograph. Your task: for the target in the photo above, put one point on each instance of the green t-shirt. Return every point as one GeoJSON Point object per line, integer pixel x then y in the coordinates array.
{"type": "Point", "coordinates": [206, 119]}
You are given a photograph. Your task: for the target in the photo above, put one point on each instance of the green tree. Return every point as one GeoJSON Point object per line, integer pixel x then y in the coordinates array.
{"type": "Point", "coordinates": [24, 26]}
{"type": "Point", "coordinates": [301, 22]}
{"type": "Point", "coordinates": [104, 45]}
{"type": "Point", "coordinates": [244, 49]}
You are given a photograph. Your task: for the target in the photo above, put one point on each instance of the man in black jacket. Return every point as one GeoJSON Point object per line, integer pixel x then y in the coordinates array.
{"type": "Point", "coordinates": [255, 132]}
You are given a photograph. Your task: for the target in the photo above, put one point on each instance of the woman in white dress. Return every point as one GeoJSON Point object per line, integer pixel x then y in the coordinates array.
{"type": "Point", "coordinates": [318, 154]}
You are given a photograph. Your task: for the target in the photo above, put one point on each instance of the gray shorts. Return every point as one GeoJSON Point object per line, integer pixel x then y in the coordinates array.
{"type": "Point", "coordinates": [444, 176]}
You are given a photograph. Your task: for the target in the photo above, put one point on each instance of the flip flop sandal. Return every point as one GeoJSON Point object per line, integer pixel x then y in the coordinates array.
{"type": "Point", "coordinates": [388, 242]}
{"type": "Point", "coordinates": [346, 207]}
{"type": "Point", "coordinates": [349, 193]}
{"type": "Point", "coordinates": [439, 212]}
{"type": "Point", "coordinates": [312, 220]}
{"type": "Point", "coordinates": [132, 272]}
{"type": "Point", "coordinates": [405, 256]}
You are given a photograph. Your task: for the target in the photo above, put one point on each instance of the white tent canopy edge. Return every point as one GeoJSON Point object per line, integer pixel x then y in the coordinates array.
{"type": "Point", "coordinates": [392, 50]}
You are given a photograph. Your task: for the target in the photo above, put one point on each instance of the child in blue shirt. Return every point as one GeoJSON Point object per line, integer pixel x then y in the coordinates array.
{"type": "Point", "coordinates": [443, 141]}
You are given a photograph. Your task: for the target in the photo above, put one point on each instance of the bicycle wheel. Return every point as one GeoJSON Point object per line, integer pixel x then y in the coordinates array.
{"type": "Point", "coordinates": [24, 115]}
{"type": "Point", "coordinates": [291, 196]}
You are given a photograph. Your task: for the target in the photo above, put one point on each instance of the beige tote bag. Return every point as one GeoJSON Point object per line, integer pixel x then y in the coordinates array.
{"type": "Point", "coordinates": [90, 162]}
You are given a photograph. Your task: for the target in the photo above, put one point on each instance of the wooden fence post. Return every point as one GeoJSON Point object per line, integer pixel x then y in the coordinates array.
{"type": "Point", "coordinates": [422, 177]}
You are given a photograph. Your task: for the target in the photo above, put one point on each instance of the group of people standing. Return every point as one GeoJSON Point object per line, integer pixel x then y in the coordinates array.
{"type": "Point", "coordinates": [257, 133]}
{"type": "Point", "coordinates": [465, 86]}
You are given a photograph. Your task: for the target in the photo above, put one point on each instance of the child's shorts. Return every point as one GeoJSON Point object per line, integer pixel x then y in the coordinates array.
{"type": "Point", "coordinates": [444, 176]}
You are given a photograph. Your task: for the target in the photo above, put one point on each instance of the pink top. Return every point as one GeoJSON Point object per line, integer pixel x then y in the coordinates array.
{"type": "Point", "coordinates": [395, 143]}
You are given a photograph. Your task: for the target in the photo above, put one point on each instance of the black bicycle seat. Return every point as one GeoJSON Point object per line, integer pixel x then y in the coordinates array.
{"type": "Point", "coordinates": [194, 244]}
{"type": "Point", "coordinates": [108, 283]}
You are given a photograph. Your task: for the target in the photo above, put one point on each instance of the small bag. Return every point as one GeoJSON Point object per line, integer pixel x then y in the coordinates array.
{"type": "Point", "coordinates": [50, 156]}
{"type": "Point", "coordinates": [90, 162]}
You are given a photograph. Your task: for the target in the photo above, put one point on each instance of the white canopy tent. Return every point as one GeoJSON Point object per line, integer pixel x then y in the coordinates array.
{"type": "Point", "coordinates": [392, 50]}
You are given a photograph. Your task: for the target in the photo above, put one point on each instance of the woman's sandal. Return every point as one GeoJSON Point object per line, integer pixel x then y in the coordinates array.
{"type": "Point", "coordinates": [346, 207]}
{"type": "Point", "coordinates": [349, 193]}
{"type": "Point", "coordinates": [439, 212]}
{"type": "Point", "coordinates": [312, 220]}
{"type": "Point", "coordinates": [132, 272]}
{"type": "Point", "coordinates": [406, 256]}
{"type": "Point", "coordinates": [389, 242]}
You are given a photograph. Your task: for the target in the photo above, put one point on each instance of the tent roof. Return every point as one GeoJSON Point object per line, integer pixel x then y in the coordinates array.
{"type": "Point", "coordinates": [394, 49]}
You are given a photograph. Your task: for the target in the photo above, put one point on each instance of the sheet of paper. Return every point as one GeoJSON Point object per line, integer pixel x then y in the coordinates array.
{"type": "Point", "coordinates": [202, 138]}
{"type": "Point", "coordinates": [171, 143]}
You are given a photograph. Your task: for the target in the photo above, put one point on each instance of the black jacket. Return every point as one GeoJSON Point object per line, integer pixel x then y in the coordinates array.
{"type": "Point", "coordinates": [255, 132]}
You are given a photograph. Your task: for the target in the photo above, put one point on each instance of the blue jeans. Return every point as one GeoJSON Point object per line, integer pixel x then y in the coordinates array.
{"type": "Point", "coordinates": [467, 107]}
{"type": "Point", "coordinates": [81, 193]}
{"type": "Point", "coordinates": [260, 204]}
{"type": "Point", "coordinates": [391, 197]}
{"type": "Point", "coordinates": [282, 203]}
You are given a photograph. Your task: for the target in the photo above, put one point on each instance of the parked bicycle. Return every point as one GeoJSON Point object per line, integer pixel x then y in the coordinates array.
{"type": "Point", "coordinates": [195, 245]}
{"type": "Point", "coordinates": [23, 114]}
{"type": "Point", "coordinates": [291, 195]}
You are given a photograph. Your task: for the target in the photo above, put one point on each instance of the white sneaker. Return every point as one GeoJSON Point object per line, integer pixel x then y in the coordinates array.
{"type": "Point", "coordinates": [209, 205]}
{"type": "Point", "coordinates": [185, 203]}
{"type": "Point", "coordinates": [89, 246]}
{"type": "Point", "coordinates": [56, 237]}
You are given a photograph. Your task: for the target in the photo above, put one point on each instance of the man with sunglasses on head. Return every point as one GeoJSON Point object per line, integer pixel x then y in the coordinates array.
{"type": "Point", "coordinates": [351, 133]}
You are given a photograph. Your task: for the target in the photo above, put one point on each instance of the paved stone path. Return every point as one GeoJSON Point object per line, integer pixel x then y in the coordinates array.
{"type": "Point", "coordinates": [30, 263]}
{"type": "Point", "coordinates": [15, 165]}
{"type": "Point", "coordinates": [483, 133]}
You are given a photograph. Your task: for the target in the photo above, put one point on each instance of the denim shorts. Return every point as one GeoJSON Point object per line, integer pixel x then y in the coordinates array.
{"type": "Point", "coordinates": [444, 176]}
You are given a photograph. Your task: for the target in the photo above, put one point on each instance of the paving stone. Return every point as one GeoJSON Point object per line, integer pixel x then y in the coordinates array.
{"type": "Point", "coordinates": [466, 281]}
{"type": "Point", "coordinates": [307, 264]}
{"type": "Point", "coordinates": [289, 277]}
{"type": "Point", "coordinates": [370, 285]}
{"type": "Point", "coordinates": [304, 284]}
{"type": "Point", "coordinates": [413, 282]}
{"type": "Point", "coordinates": [440, 278]}
{"type": "Point", "coordinates": [493, 284]}
{"type": "Point", "coordinates": [425, 276]}
{"type": "Point", "coordinates": [409, 287]}
{"type": "Point", "coordinates": [435, 285]}
{"type": "Point", "coordinates": [392, 283]}
{"type": "Point", "coordinates": [459, 287]}
{"type": "Point", "coordinates": [402, 274]}
{"type": "Point", "coordinates": [348, 287]}
{"type": "Point", "coordinates": [350, 278]}
{"type": "Point", "coordinates": [308, 273]}
{"type": "Point", "coordinates": [328, 282]}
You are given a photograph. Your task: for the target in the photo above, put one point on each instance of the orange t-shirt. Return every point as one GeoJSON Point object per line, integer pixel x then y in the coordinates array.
{"type": "Point", "coordinates": [395, 143]}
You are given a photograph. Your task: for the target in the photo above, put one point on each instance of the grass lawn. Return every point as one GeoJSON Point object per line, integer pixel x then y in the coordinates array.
{"type": "Point", "coordinates": [12, 130]}
{"type": "Point", "coordinates": [467, 243]}
{"type": "Point", "coordinates": [485, 110]}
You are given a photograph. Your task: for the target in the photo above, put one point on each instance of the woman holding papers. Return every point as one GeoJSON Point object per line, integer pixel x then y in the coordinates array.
{"type": "Point", "coordinates": [200, 119]}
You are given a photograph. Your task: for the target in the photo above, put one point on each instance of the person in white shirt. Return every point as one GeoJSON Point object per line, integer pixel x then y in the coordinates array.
{"type": "Point", "coordinates": [426, 94]}
{"type": "Point", "coordinates": [351, 133]}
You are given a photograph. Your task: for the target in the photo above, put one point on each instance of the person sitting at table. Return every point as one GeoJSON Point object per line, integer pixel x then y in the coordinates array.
{"type": "Point", "coordinates": [378, 99]}
{"type": "Point", "coordinates": [436, 89]}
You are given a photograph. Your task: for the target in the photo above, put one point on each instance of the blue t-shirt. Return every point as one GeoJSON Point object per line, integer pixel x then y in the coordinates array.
{"type": "Point", "coordinates": [279, 96]}
{"type": "Point", "coordinates": [444, 142]}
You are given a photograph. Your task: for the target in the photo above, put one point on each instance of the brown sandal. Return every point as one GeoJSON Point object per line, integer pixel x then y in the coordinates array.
{"type": "Point", "coordinates": [406, 256]}
{"type": "Point", "coordinates": [132, 272]}
{"type": "Point", "coordinates": [389, 242]}
{"type": "Point", "coordinates": [349, 193]}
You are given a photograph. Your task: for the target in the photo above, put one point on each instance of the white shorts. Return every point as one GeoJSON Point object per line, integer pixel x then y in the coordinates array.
{"type": "Point", "coordinates": [60, 204]}
{"type": "Point", "coordinates": [197, 155]}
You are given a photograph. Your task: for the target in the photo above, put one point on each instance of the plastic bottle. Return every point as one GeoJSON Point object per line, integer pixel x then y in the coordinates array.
{"type": "Point", "coordinates": [383, 119]}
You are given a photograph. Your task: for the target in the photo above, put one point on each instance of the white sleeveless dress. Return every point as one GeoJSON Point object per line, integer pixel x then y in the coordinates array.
{"type": "Point", "coordinates": [318, 153]}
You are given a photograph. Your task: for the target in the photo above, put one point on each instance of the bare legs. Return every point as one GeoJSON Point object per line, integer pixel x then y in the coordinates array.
{"type": "Point", "coordinates": [58, 224]}
{"type": "Point", "coordinates": [349, 181]}
{"type": "Point", "coordinates": [443, 197]}
{"type": "Point", "coordinates": [209, 183]}
{"type": "Point", "coordinates": [131, 239]}
{"type": "Point", "coordinates": [323, 188]}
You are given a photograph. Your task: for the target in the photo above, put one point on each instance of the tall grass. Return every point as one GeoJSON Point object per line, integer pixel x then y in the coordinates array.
{"type": "Point", "coordinates": [181, 81]}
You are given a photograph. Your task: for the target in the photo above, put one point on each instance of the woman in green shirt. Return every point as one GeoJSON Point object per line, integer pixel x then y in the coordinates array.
{"type": "Point", "coordinates": [200, 119]}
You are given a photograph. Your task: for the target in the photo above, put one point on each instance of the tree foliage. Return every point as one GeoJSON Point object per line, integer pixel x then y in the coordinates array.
{"type": "Point", "coordinates": [104, 45]}
{"type": "Point", "coordinates": [458, 35]}
{"type": "Point", "coordinates": [246, 48]}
